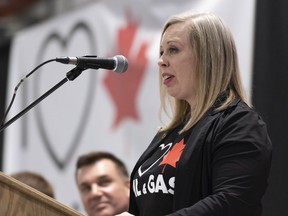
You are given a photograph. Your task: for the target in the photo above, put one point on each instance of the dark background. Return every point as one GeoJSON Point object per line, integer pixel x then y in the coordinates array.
{"type": "Point", "coordinates": [270, 93]}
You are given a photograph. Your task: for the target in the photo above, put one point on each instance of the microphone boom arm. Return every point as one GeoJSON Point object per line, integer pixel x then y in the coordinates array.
{"type": "Point", "coordinates": [70, 75]}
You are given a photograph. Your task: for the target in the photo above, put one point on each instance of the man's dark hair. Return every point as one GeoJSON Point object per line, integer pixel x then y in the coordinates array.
{"type": "Point", "coordinates": [92, 157]}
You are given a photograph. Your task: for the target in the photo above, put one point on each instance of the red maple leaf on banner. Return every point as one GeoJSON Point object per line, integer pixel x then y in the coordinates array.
{"type": "Point", "coordinates": [172, 157]}
{"type": "Point", "coordinates": [124, 88]}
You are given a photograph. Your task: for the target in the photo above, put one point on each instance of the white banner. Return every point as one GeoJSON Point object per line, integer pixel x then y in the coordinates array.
{"type": "Point", "coordinates": [99, 110]}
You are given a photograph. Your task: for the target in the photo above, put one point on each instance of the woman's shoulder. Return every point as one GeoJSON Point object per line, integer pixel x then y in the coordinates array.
{"type": "Point", "coordinates": [238, 112]}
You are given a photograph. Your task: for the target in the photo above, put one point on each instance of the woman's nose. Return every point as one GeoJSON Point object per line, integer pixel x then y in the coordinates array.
{"type": "Point", "coordinates": [162, 62]}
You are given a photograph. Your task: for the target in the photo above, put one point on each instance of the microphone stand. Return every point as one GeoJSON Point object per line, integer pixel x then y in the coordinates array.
{"type": "Point", "coordinates": [70, 75]}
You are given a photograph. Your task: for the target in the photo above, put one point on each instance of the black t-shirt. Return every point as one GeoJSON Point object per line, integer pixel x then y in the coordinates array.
{"type": "Point", "coordinates": [154, 182]}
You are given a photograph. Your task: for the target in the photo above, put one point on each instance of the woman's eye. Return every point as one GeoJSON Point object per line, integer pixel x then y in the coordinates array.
{"type": "Point", "coordinates": [173, 50]}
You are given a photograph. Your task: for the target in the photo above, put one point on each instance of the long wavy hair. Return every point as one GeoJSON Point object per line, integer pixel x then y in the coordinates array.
{"type": "Point", "coordinates": [217, 69]}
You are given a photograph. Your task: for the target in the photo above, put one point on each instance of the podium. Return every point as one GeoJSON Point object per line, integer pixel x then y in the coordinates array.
{"type": "Point", "coordinates": [19, 199]}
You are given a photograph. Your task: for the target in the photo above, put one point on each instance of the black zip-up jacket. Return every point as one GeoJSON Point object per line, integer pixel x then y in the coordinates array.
{"type": "Point", "coordinates": [224, 167]}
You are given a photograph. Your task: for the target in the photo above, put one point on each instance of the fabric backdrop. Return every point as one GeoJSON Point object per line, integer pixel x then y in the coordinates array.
{"type": "Point", "coordinates": [99, 110]}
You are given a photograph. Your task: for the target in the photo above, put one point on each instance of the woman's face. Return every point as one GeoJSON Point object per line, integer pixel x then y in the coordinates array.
{"type": "Point", "coordinates": [177, 63]}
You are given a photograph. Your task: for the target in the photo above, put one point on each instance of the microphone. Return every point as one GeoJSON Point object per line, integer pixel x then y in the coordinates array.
{"type": "Point", "coordinates": [118, 63]}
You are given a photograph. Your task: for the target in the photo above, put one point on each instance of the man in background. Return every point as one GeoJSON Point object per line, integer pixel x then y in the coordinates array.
{"type": "Point", "coordinates": [103, 183]}
{"type": "Point", "coordinates": [35, 181]}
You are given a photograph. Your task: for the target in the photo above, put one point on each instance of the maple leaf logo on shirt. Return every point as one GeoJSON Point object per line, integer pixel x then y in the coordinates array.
{"type": "Point", "coordinates": [172, 157]}
{"type": "Point", "coordinates": [124, 88]}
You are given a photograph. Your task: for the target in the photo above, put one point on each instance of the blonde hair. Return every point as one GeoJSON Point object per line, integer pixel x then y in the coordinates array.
{"type": "Point", "coordinates": [217, 68]}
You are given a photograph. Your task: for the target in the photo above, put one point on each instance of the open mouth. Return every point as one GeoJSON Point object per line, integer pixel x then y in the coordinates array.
{"type": "Point", "coordinates": [167, 78]}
